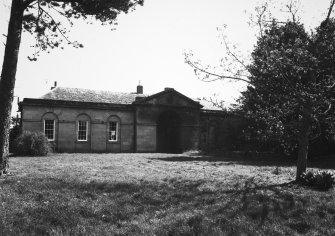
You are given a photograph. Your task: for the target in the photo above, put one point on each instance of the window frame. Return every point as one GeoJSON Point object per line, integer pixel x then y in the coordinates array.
{"type": "Point", "coordinates": [116, 131]}
{"type": "Point", "coordinates": [53, 130]}
{"type": "Point", "coordinates": [86, 131]}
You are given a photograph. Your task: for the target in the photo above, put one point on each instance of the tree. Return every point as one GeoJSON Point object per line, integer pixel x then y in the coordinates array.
{"type": "Point", "coordinates": [37, 17]}
{"type": "Point", "coordinates": [291, 81]}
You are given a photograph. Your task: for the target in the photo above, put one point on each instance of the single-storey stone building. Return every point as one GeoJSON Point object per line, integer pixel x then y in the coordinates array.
{"type": "Point", "coordinates": [81, 120]}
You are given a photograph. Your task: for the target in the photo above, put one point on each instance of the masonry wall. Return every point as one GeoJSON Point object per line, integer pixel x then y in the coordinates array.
{"type": "Point", "coordinates": [190, 129]}
{"type": "Point", "coordinates": [166, 122]}
{"type": "Point", "coordinates": [146, 132]}
{"type": "Point", "coordinates": [220, 131]}
{"type": "Point", "coordinates": [66, 128]}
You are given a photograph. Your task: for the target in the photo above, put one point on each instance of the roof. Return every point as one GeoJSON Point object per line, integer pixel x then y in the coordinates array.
{"type": "Point", "coordinates": [100, 96]}
{"type": "Point", "coordinates": [88, 95]}
{"type": "Point", "coordinates": [169, 90]}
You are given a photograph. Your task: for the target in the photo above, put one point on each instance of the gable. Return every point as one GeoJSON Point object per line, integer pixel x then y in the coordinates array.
{"type": "Point", "coordinates": [169, 97]}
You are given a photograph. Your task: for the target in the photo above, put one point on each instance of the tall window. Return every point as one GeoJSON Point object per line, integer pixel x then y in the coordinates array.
{"type": "Point", "coordinates": [49, 129]}
{"type": "Point", "coordinates": [112, 131]}
{"type": "Point", "coordinates": [82, 130]}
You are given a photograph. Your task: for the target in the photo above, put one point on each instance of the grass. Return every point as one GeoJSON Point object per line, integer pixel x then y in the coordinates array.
{"type": "Point", "coordinates": [160, 194]}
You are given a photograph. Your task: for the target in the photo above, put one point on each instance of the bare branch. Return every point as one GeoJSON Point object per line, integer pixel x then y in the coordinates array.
{"type": "Point", "coordinates": [233, 55]}
{"type": "Point", "coordinates": [326, 111]}
{"type": "Point", "coordinates": [215, 102]}
{"type": "Point", "coordinates": [218, 77]}
{"type": "Point", "coordinates": [331, 87]}
{"type": "Point", "coordinates": [332, 2]}
{"type": "Point", "coordinates": [275, 21]}
{"type": "Point", "coordinates": [293, 9]}
{"type": "Point", "coordinates": [39, 13]}
{"type": "Point", "coordinates": [260, 15]}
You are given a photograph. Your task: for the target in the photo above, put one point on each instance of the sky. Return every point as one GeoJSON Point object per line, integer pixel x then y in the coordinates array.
{"type": "Point", "coordinates": [148, 45]}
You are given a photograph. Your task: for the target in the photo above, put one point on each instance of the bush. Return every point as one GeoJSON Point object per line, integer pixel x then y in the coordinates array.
{"type": "Point", "coordinates": [31, 144]}
{"type": "Point", "coordinates": [14, 133]}
{"type": "Point", "coordinates": [322, 180]}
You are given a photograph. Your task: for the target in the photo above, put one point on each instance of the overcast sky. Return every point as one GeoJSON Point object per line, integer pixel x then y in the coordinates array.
{"type": "Point", "coordinates": [147, 46]}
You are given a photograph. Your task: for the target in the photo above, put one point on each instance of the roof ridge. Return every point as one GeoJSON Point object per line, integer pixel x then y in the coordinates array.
{"type": "Point", "coordinates": [95, 90]}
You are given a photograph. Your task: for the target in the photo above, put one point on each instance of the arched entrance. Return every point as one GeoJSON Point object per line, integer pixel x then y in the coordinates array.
{"type": "Point", "coordinates": [168, 132]}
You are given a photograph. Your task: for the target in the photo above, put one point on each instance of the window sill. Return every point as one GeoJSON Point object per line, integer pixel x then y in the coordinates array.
{"type": "Point", "coordinates": [81, 141]}
{"type": "Point", "coordinates": [113, 142]}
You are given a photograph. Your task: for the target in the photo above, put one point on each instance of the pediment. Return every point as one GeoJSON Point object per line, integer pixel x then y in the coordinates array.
{"type": "Point", "coordinates": [169, 97]}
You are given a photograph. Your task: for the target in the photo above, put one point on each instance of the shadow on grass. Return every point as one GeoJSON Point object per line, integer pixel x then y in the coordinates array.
{"type": "Point", "coordinates": [324, 162]}
{"type": "Point", "coordinates": [175, 207]}
{"type": "Point", "coordinates": [231, 158]}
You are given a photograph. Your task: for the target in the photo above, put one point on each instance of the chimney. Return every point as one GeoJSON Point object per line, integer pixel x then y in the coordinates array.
{"type": "Point", "coordinates": [139, 89]}
{"type": "Point", "coordinates": [168, 89]}
{"type": "Point", "coordinates": [55, 85]}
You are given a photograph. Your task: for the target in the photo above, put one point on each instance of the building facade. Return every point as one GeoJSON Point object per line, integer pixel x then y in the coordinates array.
{"type": "Point", "coordinates": [79, 120]}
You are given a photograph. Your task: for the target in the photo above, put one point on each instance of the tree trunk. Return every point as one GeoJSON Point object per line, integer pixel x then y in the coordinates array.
{"type": "Point", "coordinates": [303, 147]}
{"type": "Point", "coordinates": [7, 81]}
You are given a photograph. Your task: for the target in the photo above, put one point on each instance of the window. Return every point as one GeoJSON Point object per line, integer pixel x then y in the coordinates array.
{"type": "Point", "coordinates": [112, 131]}
{"type": "Point", "coordinates": [82, 130]}
{"type": "Point", "coordinates": [49, 129]}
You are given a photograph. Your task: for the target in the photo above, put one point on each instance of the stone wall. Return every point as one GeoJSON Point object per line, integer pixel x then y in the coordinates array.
{"type": "Point", "coordinates": [165, 122]}
{"type": "Point", "coordinates": [66, 128]}
{"type": "Point", "coordinates": [187, 135]}
{"type": "Point", "coordinates": [220, 131]}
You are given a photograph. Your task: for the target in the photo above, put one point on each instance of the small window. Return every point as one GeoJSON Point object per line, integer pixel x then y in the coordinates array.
{"type": "Point", "coordinates": [112, 131]}
{"type": "Point", "coordinates": [49, 129]}
{"type": "Point", "coordinates": [82, 130]}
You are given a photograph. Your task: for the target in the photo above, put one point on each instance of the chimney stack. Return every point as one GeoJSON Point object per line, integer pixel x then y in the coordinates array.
{"type": "Point", "coordinates": [168, 89]}
{"type": "Point", "coordinates": [139, 89]}
{"type": "Point", "coordinates": [55, 85]}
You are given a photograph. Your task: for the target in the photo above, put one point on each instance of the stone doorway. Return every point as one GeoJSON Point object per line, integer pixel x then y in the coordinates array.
{"type": "Point", "coordinates": [168, 132]}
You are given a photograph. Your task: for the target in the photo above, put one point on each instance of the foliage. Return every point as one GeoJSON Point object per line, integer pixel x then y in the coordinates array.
{"type": "Point", "coordinates": [322, 180]}
{"type": "Point", "coordinates": [49, 21]}
{"type": "Point", "coordinates": [322, 146]}
{"type": "Point", "coordinates": [14, 133]}
{"type": "Point", "coordinates": [290, 76]}
{"type": "Point", "coordinates": [31, 144]}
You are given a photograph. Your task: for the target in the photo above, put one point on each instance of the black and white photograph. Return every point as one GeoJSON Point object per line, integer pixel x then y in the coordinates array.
{"type": "Point", "coordinates": [180, 117]}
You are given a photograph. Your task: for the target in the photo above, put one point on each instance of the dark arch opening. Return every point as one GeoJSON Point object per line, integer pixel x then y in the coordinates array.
{"type": "Point", "coordinates": [168, 132]}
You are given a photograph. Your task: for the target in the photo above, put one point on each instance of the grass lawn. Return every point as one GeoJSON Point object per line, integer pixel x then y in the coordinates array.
{"type": "Point", "coordinates": [160, 194]}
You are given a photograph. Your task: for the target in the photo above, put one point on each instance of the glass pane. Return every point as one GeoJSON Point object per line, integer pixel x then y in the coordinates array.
{"type": "Point", "coordinates": [82, 130]}
{"type": "Point", "coordinates": [49, 129]}
{"type": "Point", "coordinates": [112, 132]}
